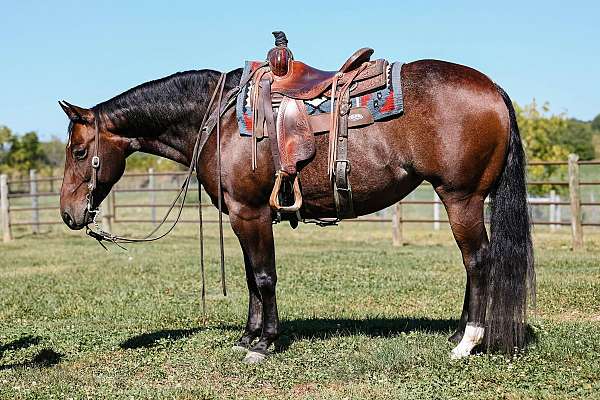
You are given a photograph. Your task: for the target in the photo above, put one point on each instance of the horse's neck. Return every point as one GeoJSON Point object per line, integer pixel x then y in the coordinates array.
{"type": "Point", "coordinates": [175, 144]}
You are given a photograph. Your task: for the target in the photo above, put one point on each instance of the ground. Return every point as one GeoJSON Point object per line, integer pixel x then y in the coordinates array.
{"type": "Point", "coordinates": [361, 319]}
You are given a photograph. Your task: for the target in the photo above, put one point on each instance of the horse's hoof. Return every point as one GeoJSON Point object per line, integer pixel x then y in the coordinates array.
{"type": "Point", "coordinates": [456, 337]}
{"type": "Point", "coordinates": [254, 357]}
{"type": "Point", "coordinates": [459, 352]}
{"type": "Point", "coordinates": [239, 349]}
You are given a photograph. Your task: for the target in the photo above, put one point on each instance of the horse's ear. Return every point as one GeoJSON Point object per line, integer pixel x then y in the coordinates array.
{"type": "Point", "coordinates": [77, 114]}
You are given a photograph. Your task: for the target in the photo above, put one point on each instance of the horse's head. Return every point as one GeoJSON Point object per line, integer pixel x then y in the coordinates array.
{"type": "Point", "coordinates": [87, 181]}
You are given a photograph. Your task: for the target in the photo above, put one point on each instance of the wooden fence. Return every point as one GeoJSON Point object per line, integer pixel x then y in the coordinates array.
{"type": "Point", "coordinates": [112, 207]}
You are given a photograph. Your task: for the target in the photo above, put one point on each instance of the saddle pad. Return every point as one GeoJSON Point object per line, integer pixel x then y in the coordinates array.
{"type": "Point", "coordinates": [382, 103]}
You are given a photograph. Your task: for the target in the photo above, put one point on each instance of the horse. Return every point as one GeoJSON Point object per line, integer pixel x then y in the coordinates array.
{"type": "Point", "coordinates": [458, 132]}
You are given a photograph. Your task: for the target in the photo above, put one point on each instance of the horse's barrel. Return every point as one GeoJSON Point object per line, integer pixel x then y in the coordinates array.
{"type": "Point", "coordinates": [279, 56]}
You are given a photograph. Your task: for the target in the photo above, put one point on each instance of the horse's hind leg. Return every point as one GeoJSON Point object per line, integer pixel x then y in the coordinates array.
{"type": "Point", "coordinates": [466, 220]}
{"type": "Point", "coordinates": [462, 322]}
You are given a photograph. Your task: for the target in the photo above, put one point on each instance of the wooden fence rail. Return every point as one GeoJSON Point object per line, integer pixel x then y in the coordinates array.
{"type": "Point", "coordinates": [111, 207]}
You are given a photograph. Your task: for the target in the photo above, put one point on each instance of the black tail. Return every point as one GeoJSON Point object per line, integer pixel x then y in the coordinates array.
{"type": "Point", "coordinates": [511, 275]}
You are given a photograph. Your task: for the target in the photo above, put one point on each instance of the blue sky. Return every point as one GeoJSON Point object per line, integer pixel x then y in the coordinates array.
{"type": "Point", "coordinates": [86, 52]}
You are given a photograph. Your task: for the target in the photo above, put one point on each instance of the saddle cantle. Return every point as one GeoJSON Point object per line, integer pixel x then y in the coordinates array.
{"type": "Point", "coordinates": [280, 87]}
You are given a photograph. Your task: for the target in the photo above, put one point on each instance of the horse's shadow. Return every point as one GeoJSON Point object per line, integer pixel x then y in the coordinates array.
{"type": "Point", "coordinates": [325, 328]}
{"type": "Point", "coordinates": [151, 339]}
{"type": "Point", "coordinates": [45, 357]}
{"type": "Point", "coordinates": [312, 328]}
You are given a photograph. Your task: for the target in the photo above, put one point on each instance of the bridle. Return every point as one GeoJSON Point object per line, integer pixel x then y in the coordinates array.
{"type": "Point", "coordinates": [210, 121]}
{"type": "Point", "coordinates": [95, 164]}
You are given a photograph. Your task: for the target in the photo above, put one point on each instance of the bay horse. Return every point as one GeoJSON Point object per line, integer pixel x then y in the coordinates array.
{"type": "Point", "coordinates": [458, 132]}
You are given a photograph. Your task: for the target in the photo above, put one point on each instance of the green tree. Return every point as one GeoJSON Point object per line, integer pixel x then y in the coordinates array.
{"type": "Point", "coordinates": [578, 137]}
{"type": "Point", "coordinates": [550, 137]}
{"type": "Point", "coordinates": [596, 123]}
{"type": "Point", "coordinates": [5, 137]}
{"type": "Point", "coordinates": [25, 153]}
{"type": "Point", "coordinates": [54, 149]}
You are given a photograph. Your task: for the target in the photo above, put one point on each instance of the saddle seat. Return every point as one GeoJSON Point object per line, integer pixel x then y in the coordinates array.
{"type": "Point", "coordinates": [305, 82]}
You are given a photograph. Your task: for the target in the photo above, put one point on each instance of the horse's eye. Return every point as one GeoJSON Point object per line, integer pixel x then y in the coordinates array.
{"type": "Point", "coordinates": [80, 153]}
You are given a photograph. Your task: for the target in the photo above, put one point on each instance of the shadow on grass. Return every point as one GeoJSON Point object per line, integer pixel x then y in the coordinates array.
{"type": "Point", "coordinates": [152, 338]}
{"type": "Point", "coordinates": [324, 328]}
{"type": "Point", "coordinates": [44, 359]}
{"type": "Point", "coordinates": [317, 329]}
{"type": "Point", "coordinates": [21, 343]}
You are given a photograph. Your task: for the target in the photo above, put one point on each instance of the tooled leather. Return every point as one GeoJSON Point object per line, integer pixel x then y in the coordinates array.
{"type": "Point", "coordinates": [295, 139]}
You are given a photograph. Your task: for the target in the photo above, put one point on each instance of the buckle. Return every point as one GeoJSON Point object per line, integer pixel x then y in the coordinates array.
{"type": "Point", "coordinates": [347, 162]}
{"type": "Point", "coordinates": [95, 162]}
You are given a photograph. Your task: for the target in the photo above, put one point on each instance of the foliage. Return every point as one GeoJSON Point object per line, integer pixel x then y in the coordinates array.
{"type": "Point", "coordinates": [20, 153]}
{"type": "Point", "coordinates": [551, 137]}
{"type": "Point", "coordinates": [596, 123]}
{"type": "Point", "coordinates": [142, 162]}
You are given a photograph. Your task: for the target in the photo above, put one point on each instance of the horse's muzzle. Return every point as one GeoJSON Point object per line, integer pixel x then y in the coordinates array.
{"type": "Point", "coordinates": [70, 221]}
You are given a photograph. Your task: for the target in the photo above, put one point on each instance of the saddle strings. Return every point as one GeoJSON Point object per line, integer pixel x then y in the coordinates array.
{"type": "Point", "coordinates": [220, 193]}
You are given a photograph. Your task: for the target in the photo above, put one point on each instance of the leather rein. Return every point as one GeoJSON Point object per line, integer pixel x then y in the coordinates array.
{"type": "Point", "coordinates": [210, 121]}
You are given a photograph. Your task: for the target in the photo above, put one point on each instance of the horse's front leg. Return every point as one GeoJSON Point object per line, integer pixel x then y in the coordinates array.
{"type": "Point", "coordinates": [255, 233]}
{"type": "Point", "coordinates": [254, 322]}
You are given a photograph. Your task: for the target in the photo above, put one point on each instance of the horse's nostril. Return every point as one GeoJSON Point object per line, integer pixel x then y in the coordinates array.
{"type": "Point", "coordinates": [67, 219]}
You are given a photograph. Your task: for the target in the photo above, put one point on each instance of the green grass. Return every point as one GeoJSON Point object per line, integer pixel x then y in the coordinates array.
{"type": "Point", "coordinates": [361, 319]}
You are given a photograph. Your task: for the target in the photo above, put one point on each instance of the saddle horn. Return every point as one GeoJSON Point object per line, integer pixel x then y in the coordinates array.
{"type": "Point", "coordinates": [280, 56]}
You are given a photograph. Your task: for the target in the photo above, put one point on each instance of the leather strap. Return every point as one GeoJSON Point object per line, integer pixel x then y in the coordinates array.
{"type": "Point", "coordinates": [342, 191]}
{"type": "Point", "coordinates": [265, 103]}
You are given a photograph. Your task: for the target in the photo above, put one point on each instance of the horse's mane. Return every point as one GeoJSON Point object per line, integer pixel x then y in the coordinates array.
{"type": "Point", "coordinates": [151, 107]}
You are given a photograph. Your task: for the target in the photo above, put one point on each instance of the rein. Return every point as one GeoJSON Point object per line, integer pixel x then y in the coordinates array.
{"type": "Point", "coordinates": [210, 120]}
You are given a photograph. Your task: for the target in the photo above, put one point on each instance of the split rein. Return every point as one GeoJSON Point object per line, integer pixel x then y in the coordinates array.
{"type": "Point", "coordinates": [210, 121]}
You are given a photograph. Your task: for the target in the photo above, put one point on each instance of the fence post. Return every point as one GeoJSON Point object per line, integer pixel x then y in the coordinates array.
{"type": "Point", "coordinates": [107, 216]}
{"type": "Point", "coordinates": [113, 203]}
{"type": "Point", "coordinates": [552, 216]}
{"type": "Point", "coordinates": [151, 188]}
{"type": "Point", "coordinates": [35, 212]}
{"type": "Point", "coordinates": [5, 209]}
{"type": "Point", "coordinates": [397, 239]}
{"type": "Point", "coordinates": [436, 212]}
{"type": "Point", "coordinates": [576, 227]}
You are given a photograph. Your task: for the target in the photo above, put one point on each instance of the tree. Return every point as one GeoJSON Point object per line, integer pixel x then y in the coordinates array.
{"type": "Point", "coordinates": [5, 137]}
{"type": "Point", "coordinates": [549, 137]}
{"type": "Point", "coordinates": [25, 153]}
{"type": "Point", "coordinates": [596, 123]}
{"type": "Point", "coordinates": [578, 137]}
{"type": "Point", "coordinates": [54, 150]}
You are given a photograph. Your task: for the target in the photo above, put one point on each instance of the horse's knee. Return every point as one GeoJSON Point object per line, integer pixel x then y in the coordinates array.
{"type": "Point", "coordinates": [475, 264]}
{"type": "Point", "coordinates": [266, 282]}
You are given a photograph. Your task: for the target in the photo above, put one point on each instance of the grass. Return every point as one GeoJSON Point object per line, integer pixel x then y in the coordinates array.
{"type": "Point", "coordinates": [361, 319]}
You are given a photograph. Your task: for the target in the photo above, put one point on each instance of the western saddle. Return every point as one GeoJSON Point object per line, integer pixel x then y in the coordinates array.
{"type": "Point", "coordinates": [279, 88]}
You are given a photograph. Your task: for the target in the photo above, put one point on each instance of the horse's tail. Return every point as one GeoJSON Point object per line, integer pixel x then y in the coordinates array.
{"type": "Point", "coordinates": [510, 274]}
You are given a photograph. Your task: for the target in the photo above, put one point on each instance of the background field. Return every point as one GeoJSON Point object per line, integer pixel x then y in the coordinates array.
{"type": "Point", "coordinates": [361, 319]}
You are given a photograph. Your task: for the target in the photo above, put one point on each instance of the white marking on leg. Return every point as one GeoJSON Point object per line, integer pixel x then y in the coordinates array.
{"type": "Point", "coordinates": [472, 337]}
{"type": "Point", "coordinates": [254, 357]}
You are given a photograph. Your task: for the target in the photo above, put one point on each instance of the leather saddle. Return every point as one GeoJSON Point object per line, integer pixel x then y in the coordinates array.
{"type": "Point", "coordinates": [279, 91]}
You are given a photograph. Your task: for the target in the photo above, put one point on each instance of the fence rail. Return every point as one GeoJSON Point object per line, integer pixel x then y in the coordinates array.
{"type": "Point", "coordinates": [30, 189]}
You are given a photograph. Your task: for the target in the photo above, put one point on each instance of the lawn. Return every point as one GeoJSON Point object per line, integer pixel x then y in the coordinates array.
{"type": "Point", "coordinates": [361, 319]}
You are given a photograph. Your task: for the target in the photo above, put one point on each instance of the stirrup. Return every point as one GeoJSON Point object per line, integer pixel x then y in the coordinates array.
{"type": "Point", "coordinates": [274, 199]}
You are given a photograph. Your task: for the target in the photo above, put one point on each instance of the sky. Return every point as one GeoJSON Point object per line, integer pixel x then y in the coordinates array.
{"type": "Point", "coordinates": [87, 52]}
